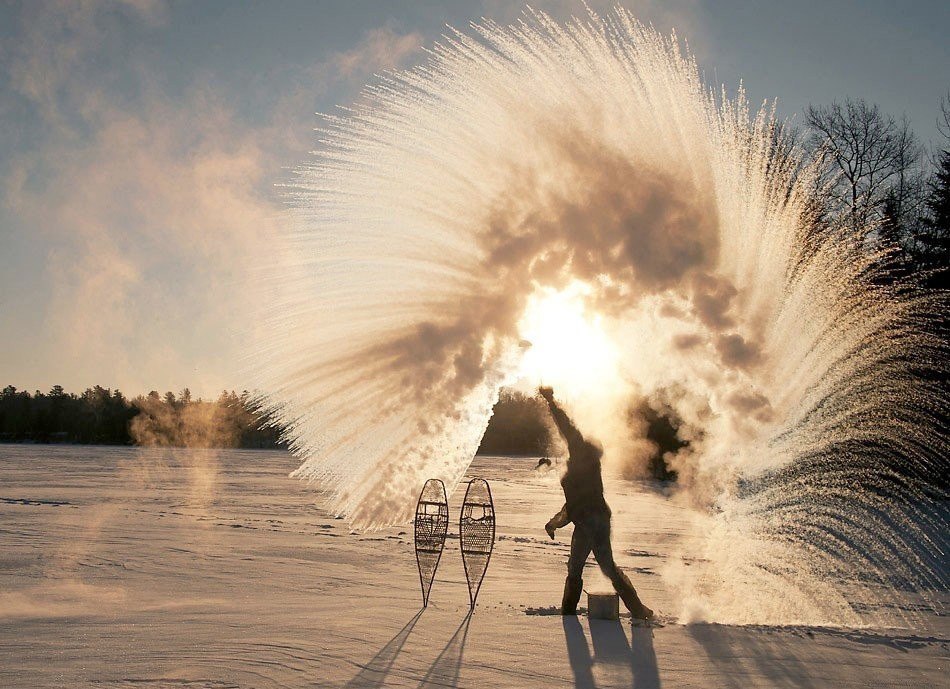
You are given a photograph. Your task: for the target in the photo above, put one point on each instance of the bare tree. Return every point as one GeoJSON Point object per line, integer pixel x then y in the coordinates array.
{"type": "Point", "coordinates": [943, 122]}
{"type": "Point", "coordinates": [872, 162]}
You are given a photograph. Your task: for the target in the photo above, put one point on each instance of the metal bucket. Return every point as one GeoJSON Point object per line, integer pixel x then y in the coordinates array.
{"type": "Point", "coordinates": [603, 606]}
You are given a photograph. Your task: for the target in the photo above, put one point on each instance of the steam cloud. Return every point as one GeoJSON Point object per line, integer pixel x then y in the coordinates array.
{"type": "Point", "coordinates": [561, 185]}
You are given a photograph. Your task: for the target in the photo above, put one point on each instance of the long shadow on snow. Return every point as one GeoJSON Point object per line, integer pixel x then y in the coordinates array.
{"type": "Point", "coordinates": [374, 673]}
{"type": "Point", "coordinates": [610, 647]}
{"type": "Point", "coordinates": [773, 648]}
{"type": "Point", "coordinates": [445, 669]}
{"type": "Point", "coordinates": [729, 648]}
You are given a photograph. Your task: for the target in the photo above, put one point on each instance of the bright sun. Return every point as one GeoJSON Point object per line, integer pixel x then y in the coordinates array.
{"type": "Point", "coordinates": [569, 348]}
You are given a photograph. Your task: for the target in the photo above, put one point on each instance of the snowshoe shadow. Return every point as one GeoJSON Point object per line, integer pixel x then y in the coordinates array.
{"type": "Point", "coordinates": [444, 671]}
{"type": "Point", "coordinates": [374, 673]}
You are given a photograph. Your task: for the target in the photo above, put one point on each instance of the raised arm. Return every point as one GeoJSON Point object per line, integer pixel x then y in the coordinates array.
{"type": "Point", "coordinates": [563, 422]}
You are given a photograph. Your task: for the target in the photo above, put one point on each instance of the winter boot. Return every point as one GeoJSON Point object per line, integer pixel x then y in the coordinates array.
{"type": "Point", "coordinates": [572, 594]}
{"type": "Point", "coordinates": [630, 599]}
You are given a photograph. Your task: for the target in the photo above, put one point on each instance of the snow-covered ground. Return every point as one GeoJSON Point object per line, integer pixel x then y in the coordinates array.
{"type": "Point", "coordinates": [137, 568]}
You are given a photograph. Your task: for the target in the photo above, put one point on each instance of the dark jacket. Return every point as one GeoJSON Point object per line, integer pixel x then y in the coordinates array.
{"type": "Point", "coordinates": [582, 482]}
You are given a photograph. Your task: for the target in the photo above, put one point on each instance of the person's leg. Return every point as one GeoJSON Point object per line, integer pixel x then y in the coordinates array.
{"type": "Point", "coordinates": [580, 549]}
{"type": "Point", "coordinates": [603, 552]}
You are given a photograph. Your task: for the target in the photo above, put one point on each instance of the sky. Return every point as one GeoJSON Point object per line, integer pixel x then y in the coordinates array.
{"type": "Point", "coordinates": [145, 141]}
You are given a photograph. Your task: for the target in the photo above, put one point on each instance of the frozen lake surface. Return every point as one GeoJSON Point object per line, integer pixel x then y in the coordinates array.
{"type": "Point", "coordinates": [122, 567]}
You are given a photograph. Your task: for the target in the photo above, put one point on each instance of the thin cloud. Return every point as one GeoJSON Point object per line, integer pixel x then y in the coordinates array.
{"type": "Point", "coordinates": [379, 49]}
{"type": "Point", "coordinates": [155, 206]}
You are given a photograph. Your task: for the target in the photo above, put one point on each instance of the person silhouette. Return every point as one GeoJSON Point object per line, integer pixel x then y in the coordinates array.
{"type": "Point", "coordinates": [586, 506]}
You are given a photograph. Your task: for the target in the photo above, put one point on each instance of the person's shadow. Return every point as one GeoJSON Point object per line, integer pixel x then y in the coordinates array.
{"type": "Point", "coordinates": [373, 674]}
{"type": "Point", "coordinates": [578, 653]}
{"type": "Point", "coordinates": [646, 673]}
{"type": "Point", "coordinates": [610, 646]}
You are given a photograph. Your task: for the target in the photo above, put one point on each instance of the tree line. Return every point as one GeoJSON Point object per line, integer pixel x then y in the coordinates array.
{"type": "Point", "coordinates": [520, 423]}
{"type": "Point", "coordinates": [519, 426]}
{"type": "Point", "coordinates": [102, 416]}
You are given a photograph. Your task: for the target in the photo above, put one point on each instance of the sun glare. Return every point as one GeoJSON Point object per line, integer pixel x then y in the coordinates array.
{"type": "Point", "coordinates": [569, 349]}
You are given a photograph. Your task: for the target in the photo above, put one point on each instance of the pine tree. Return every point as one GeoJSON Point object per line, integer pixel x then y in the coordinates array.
{"type": "Point", "coordinates": [934, 251]}
{"type": "Point", "coordinates": [894, 234]}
